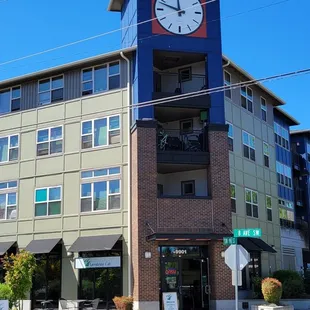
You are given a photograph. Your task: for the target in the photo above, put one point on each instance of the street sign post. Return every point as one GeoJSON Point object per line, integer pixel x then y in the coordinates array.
{"type": "Point", "coordinates": [229, 240]}
{"type": "Point", "coordinates": [248, 233]}
{"type": "Point", "coordinates": [236, 258]}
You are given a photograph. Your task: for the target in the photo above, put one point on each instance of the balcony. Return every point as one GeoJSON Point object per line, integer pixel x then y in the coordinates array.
{"type": "Point", "coordinates": [296, 160]}
{"type": "Point", "coordinates": [167, 85]}
{"type": "Point", "coordinates": [299, 196]}
{"type": "Point", "coordinates": [176, 147]}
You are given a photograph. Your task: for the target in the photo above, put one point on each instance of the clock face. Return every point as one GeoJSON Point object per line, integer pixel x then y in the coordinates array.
{"type": "Point", "coordinates": [180, 17]}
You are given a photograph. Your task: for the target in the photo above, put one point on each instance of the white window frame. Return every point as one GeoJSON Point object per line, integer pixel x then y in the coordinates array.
{"type": "Point", "coordinates": [49, 140]}
{"type": "Point", "coordinates": [247, 98]}
{"type": "Point", "coordinates": [283, 133]}
{"type": "Point", "coordinates": [108, 77]}
{"type": "Point", "coordinates": [251, 203]}
{"type": "Point", "coordinates": [248, 145]}
{"type": "Point", "coordinates": [263, 107]}
{"type": "Point", "coordinates": [51, 89]}
{"type": "Point", "coordinates": [269, 208]}
{"type": "Point", "coordinates": [108, 131]}
{"type": "Point", "coordinates": [230, 125]}
{"type": "Point", "coordinates": [227, 83]}
{"type": "Point", "coordinates": [233, 198]}
{"type": "Point", "coordinates": [6, 191]}
{"type": "Point", "coordinates": [266, 154]}
{"type": "Point", "coordinates": [96, 179]}
{"type": "Point", "coordinates": [11, 96]}
{"type": "Point", "coordinates": [10, 148]}
{"type": "Point", "coordinates": [47, 201]}
{"type": "Point", "coordinates": [285, 171]}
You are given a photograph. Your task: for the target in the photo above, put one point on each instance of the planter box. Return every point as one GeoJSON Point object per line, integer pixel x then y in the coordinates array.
{"type": "Point", "coordinates": [270, 307]}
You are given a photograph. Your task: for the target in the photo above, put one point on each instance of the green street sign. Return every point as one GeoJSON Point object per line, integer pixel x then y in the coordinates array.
{"type": "Point", "coordinates": [229, 240]}
{"type": "Point", "coordinates": [248, 233]}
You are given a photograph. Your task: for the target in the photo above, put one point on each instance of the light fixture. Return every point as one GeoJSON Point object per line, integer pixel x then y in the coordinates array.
{"type": "Point", "coordinates": [148, 255]}
{"type": "Point", "coordinates": [69, 254]}
{"type": "Point", "coordinates": [223, 254]}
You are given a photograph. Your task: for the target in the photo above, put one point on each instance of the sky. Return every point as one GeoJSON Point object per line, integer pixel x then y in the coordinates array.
{"type": "Point", "coordinates": [263, 42]}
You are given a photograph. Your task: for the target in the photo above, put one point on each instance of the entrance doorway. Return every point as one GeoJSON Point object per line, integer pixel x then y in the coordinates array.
{"type": "Point", "coordinates": [185, 271]}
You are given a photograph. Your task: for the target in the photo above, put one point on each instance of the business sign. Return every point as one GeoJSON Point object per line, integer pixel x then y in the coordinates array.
{"type": "Point", "coordinates": [170, 301]}
{"type": "Point", "coordinates": [4, 305]}
{"type": "Point", "coordinates": [97, 262]}
{"type": "Point", "coordinates": [248, 233]}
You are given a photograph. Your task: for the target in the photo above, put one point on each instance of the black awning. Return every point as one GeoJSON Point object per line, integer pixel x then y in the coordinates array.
{"type": "Point", "coordinates": [95, 243]}
{"type": "Point", "coordinates": [43, 246]}
{"type": "Point", "coordinates": [255, 245]}
{"type": "Point", "coordinates": [185, 237]}
{"type": "Point", "coordinates": [5, 246]}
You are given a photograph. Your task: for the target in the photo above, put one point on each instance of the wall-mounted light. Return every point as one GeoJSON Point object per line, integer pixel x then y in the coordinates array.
{"type": "Point", "coordinates": [148, 255]}
{"type": "Point", "coordinates": [223, 254]}
{"type": "Point", "coordinates": [70, 254]}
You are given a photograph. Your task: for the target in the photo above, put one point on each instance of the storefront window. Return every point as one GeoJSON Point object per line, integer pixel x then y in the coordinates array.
{"type": "Point", "coordinates": [47, 278]}
{"type": "Point", "coordinates": [101, 282]}
{"type": "Point", "coordinates": [253, 270]}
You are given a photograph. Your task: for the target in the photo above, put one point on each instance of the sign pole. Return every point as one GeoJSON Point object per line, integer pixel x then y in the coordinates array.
{"type": "Point", "coordinates": [236, 276]}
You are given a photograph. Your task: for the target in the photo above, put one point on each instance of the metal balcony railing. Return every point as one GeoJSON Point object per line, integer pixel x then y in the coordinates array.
{"type": "Point", "coordinates": [177, 84]}
{"type": "Point", "coordinates": [296, 160]}
{"type": "Point", "coordinates": [299, 196]}
{"type": "Point", "coordinates": [177, 140]}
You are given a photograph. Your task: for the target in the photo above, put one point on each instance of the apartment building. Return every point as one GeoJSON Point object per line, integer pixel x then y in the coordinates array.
{"type": "Point", "coordinates": [64, 177]}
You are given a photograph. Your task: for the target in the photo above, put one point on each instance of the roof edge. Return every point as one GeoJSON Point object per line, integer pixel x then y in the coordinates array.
{"type": "Point", "coordinates": [115, 5]}
{"type": "Point", "coordinates": [300, 131]}
{"type": "Point", "coordinates": [293, 121]}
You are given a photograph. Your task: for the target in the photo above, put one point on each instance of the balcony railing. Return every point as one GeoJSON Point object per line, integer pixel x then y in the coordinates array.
{"type": "Point", "coordinates": [176, 140]}
{"type": "Point", "coordinates": [296, 160]}
{"type": "Point", "coordinates": [299, 196]}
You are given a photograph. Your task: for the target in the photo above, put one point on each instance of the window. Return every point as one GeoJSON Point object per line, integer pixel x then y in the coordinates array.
{"type": "Point", "coordinates": [48, 201]}
{"type": "Point", "coordinates": [284, 174]}
{"type": "Point", "coordinates": [247, 98]}
{"type": "Point", "coordinates": [233, 197]}
{"type": "Point", "coordinates": [101, 190]}
{"type": "Point", "coordinates": [160, 190]}
{"type": "Point", "coordinates": [185, 74]}
{"type": "Point", "coordinates": [101, 78]}
{"type": "Point", "coordinates": [186, 126]}
{"type": "Point", "coordinates": [251, 203]}
{"type": "Point", "coordinates": [269, 208]}
{"type": "Point", "coordinates": [10, 100]}
{"type": "Point", "coordinates": [227, 82]}
{"type": "Point", "coordinates": [188, 188]}
{"type": "Point", "coordinates": [230, 137]}
{"type": "Point", "coordinates": [49, 141]}
{"type": "Point", "coordinates": [8, 200]}
{"type": "Point", "coordinates": [101, 132]}
{"type": "Point", "coordinates": [9, 148]}
{"type": "Point", "coordinates": [281, 136]}
{"type": "Point", "coordinates": [51, 90]}
{"type": "Point", "coordinates": [248, 145]}
{"type": "Point", "coordinates": [266, 154]}
{"type": "Point", "coordinates": [263, 106]}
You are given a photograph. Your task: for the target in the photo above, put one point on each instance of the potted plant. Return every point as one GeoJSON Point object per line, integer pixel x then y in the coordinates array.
{"type": "Point", "coordinates": [272, 292]}
{"type": "Point", "coordinates": [123, 302]}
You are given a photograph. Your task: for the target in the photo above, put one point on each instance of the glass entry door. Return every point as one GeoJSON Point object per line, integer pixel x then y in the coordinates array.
{"type": "Point", "coordinates": [189, 278]}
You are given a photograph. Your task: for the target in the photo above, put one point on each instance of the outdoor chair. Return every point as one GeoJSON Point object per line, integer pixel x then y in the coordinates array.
{"type": "Point", "coordinates": [92, 305]}
{"type": "Point", "coordinates": [66, 305]}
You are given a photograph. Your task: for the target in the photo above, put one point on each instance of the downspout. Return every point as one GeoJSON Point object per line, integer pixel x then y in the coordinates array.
{"type": "Point", "coordinates": [226, 65]}
{"type": "Point", "coordinates": [129, 172]}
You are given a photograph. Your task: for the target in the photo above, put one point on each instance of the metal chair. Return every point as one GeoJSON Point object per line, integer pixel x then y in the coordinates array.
{"type": "Point", "coordinates": [65, 304]}
{"type": "Point", "coordinates": [92, 305]}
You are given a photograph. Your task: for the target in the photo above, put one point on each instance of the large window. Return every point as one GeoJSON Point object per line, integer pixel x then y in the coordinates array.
{"type": "Point", "coordinates": [8, 200]}
{"type": "Point", "coordinates": [266, 154]}
{"type": "Point", "coordinates": [51, 90]}
{"type": "Point", "coordinates": [101, 78]}
{"type": "Point", "coordinates": [227, 82]}
{"type": "Point", "coordinates": [48, 201]}
{"type": "Point", "coordinates": [9, 148]}
{"type": "Point", "coordinates": [101, 190]}
{"type": "Point", "coordinates": [10, 100]}
{"type": "Point", "coordinates": [269, 208]}
{"type": "Point", "coordinates": [47, 279]}
{"type": "Point", "coordinates": [281, 136]}
{"type": "Point", "coordinates": [233, 197]}
{"type": "Point", "coordinates": [247, 98]}
{"type": "Point", "coordinates": [101, 132]}
{"type": "Point", "coordinates": [284, 174]}
{"type": "Point", "coordinates": [248, 145]}
{"type": "Point", "coordinates": [49, 141]}
{"type": "Point", "coordinates": [251, 202]}
{"type": "Point", "coordinates": [263, 106]}
{"type": "Point", "coordinates": [230, 137]}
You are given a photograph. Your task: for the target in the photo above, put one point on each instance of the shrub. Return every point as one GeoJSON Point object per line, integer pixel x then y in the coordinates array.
{"type": "Point", "coordinates": [293, 283]}
{"type": "Point", "coordinates": [257, 287]}
{"type": "Point", "coordinates": [123, 303]}
{"type": "Point", "coordinates": [272, 290]}
{"type": "Point", "coordinates": [5, 292]}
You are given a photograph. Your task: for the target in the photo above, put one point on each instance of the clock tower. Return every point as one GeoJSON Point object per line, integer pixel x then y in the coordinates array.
{"type": "Point", "coordinates": [167, 31]}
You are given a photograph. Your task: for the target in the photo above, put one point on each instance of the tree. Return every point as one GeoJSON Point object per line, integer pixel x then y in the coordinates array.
{"type": "Point", "coordinates": [19, 272]}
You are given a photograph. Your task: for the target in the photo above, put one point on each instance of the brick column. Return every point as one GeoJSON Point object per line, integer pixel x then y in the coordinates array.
{"type": "Point", "coordinates": [144, 206]}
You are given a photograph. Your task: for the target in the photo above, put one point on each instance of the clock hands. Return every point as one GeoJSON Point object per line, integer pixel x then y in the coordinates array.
{"type": "Point", "coordinates": [180, 12]}
{"type": "Point", "coordinates": [179, 9]}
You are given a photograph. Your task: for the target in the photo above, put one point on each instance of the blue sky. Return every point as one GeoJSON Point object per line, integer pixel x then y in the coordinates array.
{"type": "Point", "coordinates": [264, 42]}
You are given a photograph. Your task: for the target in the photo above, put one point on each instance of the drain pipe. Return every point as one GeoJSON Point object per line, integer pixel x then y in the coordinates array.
{"type": "Point", "coordinates": [129, 172]}
{"type": "Point", "coordinates": [227, 64]}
